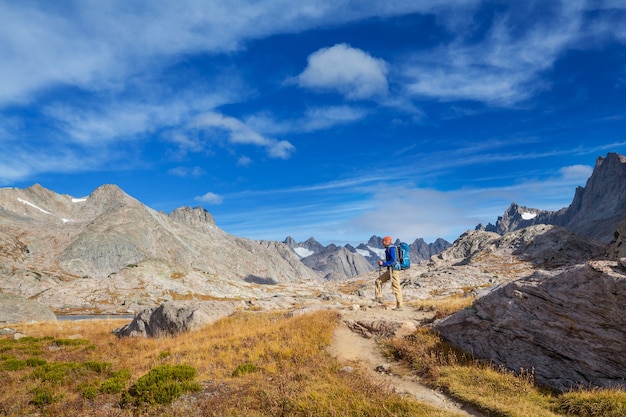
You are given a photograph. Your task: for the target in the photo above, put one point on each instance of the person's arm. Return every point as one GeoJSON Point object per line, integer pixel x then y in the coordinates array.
{"type": "Point", "coordinates": [391, 252]}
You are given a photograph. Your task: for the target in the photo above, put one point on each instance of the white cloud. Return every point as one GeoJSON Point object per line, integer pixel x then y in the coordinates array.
{"type": "Point", "coordinates": [186, 172]}
{"type": "Point", "coordinates": [96, 45]}
{"type": "Point", "coordinates": [20, 162]}
{"type": "Point", "coordinates": [314, 119]}
{"type": "Point", "coordinates": [238, 132]}
{"type": "Point", "coordinates": [576, 173]}
{"type": "Point", "coordinates": [244, 161]}
{"type": "Point", "coordinates": [210, 198]}
{"type": "Point", "coordinates": [504, 68]}
{"type": "Point", "coordinates": [350, 71]}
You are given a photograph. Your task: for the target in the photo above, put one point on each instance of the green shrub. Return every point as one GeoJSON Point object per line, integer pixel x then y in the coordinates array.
{"type": "Point", "coordinates": [162, 385]}
{"type": "Point", "coordinates": [98, 367]}
{"type": "Point", "coordinates": [34, 362]}
{"type": "Point", "coordinates": [70, 342]}
{"type": "Point", "coordinates": [13, 364]}
{"type": "Point", "coordinates": [55, 373]}
{"type": "Point", "coordinates": [89, 390]}
{"type": "Point", "coordinates": [44, 395]}
{"type": "Point", "coordinates": [246, 368]}
{"type": "Point", "coordinates": [116, 383]}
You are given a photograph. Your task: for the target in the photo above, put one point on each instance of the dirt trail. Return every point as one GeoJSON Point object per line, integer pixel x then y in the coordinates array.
{"type": "Point", "coordinates": [349, 346]}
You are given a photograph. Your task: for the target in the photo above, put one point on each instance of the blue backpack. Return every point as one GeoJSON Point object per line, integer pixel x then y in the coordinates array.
{"type": "Point", "coordinates": [402, 257]}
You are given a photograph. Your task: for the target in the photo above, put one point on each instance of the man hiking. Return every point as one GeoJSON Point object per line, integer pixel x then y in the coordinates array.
{"type": "Point", "coordinates": [392, 274]}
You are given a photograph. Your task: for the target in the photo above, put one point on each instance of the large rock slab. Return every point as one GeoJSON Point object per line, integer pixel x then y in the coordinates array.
{"type": "Point", "coordinates": [173, 317]}
{"type": "Point", "coordinates": [570, 328]}
{"type": "Point", "coordinates": [16, 309]}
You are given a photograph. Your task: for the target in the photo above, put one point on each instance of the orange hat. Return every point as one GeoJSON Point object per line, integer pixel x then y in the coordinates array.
{"type": "Point", "coordinates": [387, 239]}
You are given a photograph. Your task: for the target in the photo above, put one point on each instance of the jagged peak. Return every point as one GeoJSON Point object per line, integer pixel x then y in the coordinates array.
{"type": "Point", "coordinates": [197, 217]}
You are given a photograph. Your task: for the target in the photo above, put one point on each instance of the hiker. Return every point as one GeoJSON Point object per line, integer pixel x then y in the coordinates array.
{"type": "Point", "coordinates": [391, 274]}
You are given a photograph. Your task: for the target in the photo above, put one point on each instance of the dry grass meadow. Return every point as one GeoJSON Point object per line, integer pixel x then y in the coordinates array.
{"type": "Point", "coordinates": [254, 364]}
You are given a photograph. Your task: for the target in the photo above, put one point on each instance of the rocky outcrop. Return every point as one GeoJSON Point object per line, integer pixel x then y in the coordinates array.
{"type": "Point", "coordinates": [617, 247]}
{"type": "Point", "coordinates": [16, 309]}
{"type": "Point", "coordinates": [541, 245]}
{"type": "Point", "coordinates": [172, 318]}
{"type": "Point", "coordinates": [196, 217]}
{"type": "Point", "coordinates": [569, 328]}
{"type": "Point", "coordinates": [382, 328]}
{"type": "Point", "coordinates": [596, 209]}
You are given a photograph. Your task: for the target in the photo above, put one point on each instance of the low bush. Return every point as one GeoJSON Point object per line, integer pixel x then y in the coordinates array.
{"type": "Point", "coordinates": [116, 383]}
{"type": "Point", "coordinates": [246, 368]}
{"type": "Point", "coordinates": [162, 385]}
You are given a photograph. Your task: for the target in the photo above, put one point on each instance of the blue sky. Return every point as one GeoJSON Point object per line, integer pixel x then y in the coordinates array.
{"type": "Point", "coordinates": [333, 119]}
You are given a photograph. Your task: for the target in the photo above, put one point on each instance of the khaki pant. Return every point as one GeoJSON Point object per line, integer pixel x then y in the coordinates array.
{"type": "Point", "coordinates": [394, 276]}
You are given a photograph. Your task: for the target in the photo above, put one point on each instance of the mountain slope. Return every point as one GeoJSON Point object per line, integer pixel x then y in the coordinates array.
{"type": "Point", "coordinates": [109, 246]}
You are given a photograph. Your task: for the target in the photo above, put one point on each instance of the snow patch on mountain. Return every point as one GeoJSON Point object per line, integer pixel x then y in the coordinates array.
{"type": "Point", "coordinates": [303, 252]}
{"type": "Point", "coordinates": [28, 203]}
{"type": "Point", "coordinates": [378, 251]}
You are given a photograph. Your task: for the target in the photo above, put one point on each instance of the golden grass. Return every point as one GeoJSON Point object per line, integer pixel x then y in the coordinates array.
{"type": "Point", "coordinates": [595, 402]}
{"type": "Point", "coordinates": [443, 307]}
{"type": "Point", "coordinates": [253, 364]}
{"type": "Point", "coordinates": [260, 364]}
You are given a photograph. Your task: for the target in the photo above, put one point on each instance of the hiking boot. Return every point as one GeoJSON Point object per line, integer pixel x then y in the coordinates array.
{"type": "Point", "coordinates": [398, 308]}
{"type": "Point", "coordinates": [378, 300]}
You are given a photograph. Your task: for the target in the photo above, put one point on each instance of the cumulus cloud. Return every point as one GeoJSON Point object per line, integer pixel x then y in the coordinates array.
{"type": "Point", "coordinates": [350, 71]}
{"type": "Point", "coordinates": [210, 198]}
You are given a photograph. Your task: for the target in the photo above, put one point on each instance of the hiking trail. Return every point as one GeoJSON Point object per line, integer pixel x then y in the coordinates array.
{"type": "Point", "coordinates": [362, 352]}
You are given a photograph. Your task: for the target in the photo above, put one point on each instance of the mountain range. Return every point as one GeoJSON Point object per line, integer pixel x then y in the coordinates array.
{"type": "Point", "coordinates": [108, 249]}
{"type": "Point", "coordinates": [340, 262]}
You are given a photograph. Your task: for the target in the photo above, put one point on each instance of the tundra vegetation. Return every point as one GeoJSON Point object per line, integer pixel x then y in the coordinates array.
{"type": "Point", "coordinates": [257, 364]}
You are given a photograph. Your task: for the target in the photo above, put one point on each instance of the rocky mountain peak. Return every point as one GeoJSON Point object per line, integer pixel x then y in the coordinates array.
{"type": "Point", "coordinates": [600, 206]}
{"type": "Point", "coordinates": [596, 209]}
{"type": "Point", "coordinates": [196, 217]}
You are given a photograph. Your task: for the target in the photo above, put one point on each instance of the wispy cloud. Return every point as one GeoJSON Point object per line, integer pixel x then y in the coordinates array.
{"type": "Point", "coordinates": [98, 45]}
{"type": "Point", "coordinates": [403, 211]}
{"type": "Point", "coordinates": [314, 119]}
{"type": "Point", "coordinates": [21, 162]}
{"type": "Point", "coordinates": [504, 66]}
{"type": "Point", "coordinates": [238, 132]}
{"type": "Point", "coordinates": [185, 172]}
